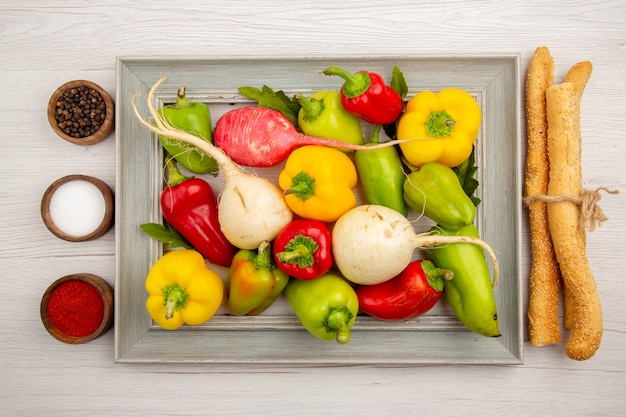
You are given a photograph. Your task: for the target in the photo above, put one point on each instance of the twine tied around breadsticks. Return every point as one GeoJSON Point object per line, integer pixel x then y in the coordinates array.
{"type": "Point", "coordinates": [591, 215]}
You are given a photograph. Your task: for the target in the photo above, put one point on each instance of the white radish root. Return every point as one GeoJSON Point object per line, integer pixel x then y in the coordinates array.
{"type": "Point", "coordinates": [372, 244]}
{"type": "Point", "coordinates": [251, 209]}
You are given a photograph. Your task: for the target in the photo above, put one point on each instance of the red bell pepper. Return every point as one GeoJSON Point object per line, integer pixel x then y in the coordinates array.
{"type": "Point", "coordinates": [190, 207]}
{"type": "Point", "coordinates": [409, 295]}
{"type": "Point", "coordinates": [366, 95]}
{"type": "Point", "coordinates": [303, 249]}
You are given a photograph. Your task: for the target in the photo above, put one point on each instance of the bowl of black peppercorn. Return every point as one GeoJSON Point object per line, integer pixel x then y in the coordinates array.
{"type": "Point", "coordinates": [81, 112]}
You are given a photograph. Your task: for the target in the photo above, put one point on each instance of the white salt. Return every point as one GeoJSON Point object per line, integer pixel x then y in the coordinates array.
{"type": "Point", "coordinates": [77, 208]}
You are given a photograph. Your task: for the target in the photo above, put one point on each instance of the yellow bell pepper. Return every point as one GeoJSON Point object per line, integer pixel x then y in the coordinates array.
{"type": "Point", "coordinates": [445, 125]}
{"type": "Point", "coordinates": [182, 290]}
{"type": "Point", "coordinates": [318, 182]}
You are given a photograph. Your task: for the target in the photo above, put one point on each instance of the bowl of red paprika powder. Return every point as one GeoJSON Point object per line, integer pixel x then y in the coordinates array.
{"type": "Point", "coordinates": [81, 112]}
{"type": "Point", "coordinates": [77, 308]}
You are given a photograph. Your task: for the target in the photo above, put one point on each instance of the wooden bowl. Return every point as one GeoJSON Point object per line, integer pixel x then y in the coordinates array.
{"type": "Point", "coordinates": [104, 290]}
{"type": "Point", "coordinates": [107, 125]}
{"type": "Point", "coordinates": [107, 219]}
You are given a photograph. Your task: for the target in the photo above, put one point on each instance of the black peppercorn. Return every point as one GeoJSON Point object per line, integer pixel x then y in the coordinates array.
{"type": "Point", "coordinates": [80, 111]}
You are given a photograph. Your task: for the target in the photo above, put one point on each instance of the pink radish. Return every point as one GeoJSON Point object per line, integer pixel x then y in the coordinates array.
{"type": "Point", "coordinates": [251, 209]}
{"type": "Point", "coordinates": [262, 137]}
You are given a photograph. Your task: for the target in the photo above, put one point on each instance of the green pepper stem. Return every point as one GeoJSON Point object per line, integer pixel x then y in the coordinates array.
{"type": "Point", "coordinates": [174, 176]}
{"type": "Point", "coordinates": [411, 167]}
{"type": "Point", "coordinates": [376, 134]}
{"type": "Point", "coordinates": [337, 321]}
{"type": "Point", "coordinates": [181, 97]}
{"type": "Point", "coordinates": [435, 276]}
{"type": "Point", "coordinates": [356, 84]}
{"type": "Point", "coordinates": [439, 124]}
{"type": "Point", "coordinates": [295, 255]}
{"type": "Point", "coordinates": [302, 185]}
{"type": "Point", "coordinates": [311, 108]}
{"type": "Point", "coordinates": [263, 257]}
{"type": "Point", "coordinates": [174, 298]}
{"type": "Point", "coordinates": [299, 251]}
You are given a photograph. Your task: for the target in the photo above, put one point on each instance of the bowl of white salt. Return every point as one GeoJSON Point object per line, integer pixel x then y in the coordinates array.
{"type": "Point", "coordinates": [78, 208]}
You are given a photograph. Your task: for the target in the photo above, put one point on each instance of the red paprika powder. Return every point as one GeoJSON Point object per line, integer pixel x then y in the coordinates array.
{"type": "Point", "coordinates": [76, 308]}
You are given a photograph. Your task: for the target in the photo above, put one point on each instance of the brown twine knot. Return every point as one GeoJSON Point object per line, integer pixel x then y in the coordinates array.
{"type": "Point", "coordinates": [591, 215]}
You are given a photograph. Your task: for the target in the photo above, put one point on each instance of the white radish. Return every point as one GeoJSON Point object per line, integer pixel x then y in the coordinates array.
{"type": "Point", "coordinates": [251, 209]}
{"type": "Point", "coordinates": [372, 244]}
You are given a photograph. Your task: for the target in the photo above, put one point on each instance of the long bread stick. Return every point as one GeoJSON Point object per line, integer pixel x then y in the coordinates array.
{"type": "Point", "coordinates": [545, 277]}
{"type": "Point", "coordinates": [564, 151]}
{"type": "Point", "coordinates": [578, 75]}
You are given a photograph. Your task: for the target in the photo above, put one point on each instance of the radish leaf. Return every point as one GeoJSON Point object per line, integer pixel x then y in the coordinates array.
{"type": "Point", "coordinates": [276, 100]}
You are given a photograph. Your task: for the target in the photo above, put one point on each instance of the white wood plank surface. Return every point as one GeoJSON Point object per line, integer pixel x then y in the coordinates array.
{"type": "Point", "coordinates": [43, 44]}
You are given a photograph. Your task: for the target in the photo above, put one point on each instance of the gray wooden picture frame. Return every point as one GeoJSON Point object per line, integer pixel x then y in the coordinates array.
{"type": "Point", "coordinates": [437, 338]}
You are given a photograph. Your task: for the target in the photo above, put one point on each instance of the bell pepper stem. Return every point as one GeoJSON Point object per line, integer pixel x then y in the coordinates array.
{"type": "Point", "coordinates": [174, 298]}
{"type": "Point", "coordinates": [439, 124]}
{"type": "Point", "coordinates": [356, 84]}
{"type": "Point", "coordinates": [296, 253]}
{"type": "Point", "coordinates": [436, 276]}
{"type": "Point", "coordinates": [174, 176]}
{"type": "Point", "coordinates": [263, 257]}
{"type": "Point", "coordinates": [311, 108]}
{"type": "Point", "coordinates": [337, 321]}
{"type": "Point", "coordinates": [302, 185]}
{"type": "Point", "coordinates": [405, 162]}
{"type": "Point", "coordinates": [376, 134]}
{"type": "Point", "coordinates": [181, 97]}
{"type": "Point", "coordinates": [299, 251]}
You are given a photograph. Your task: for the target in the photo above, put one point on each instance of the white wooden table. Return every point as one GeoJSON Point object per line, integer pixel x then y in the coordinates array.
{"type": "Point", "coordinates": [43, 44]}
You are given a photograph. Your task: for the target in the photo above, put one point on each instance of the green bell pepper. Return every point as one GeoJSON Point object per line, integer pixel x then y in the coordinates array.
{"type": "Point", "coordinates": [381, 175]}
{"type": "Point", "coordinates": [326, 306]}
{"type": "Point", "coordinates": [322, 115]}
{"type": "Point", "coordinates": [194, 118]}
{"type": "Point", "coordinates": [434, 190]}
{"type": "Point", "coordinates": [254, 281]}
{"type": "Point", "coordinates": [470, 291]}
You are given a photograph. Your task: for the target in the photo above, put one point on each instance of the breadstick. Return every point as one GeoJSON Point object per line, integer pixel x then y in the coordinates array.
{"type": "Point", "coordinates": [578, 75]}
{"type": "Point", "coordinates": [564, 151]}
{"type": "Point", "coordinates": [543, 305]}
